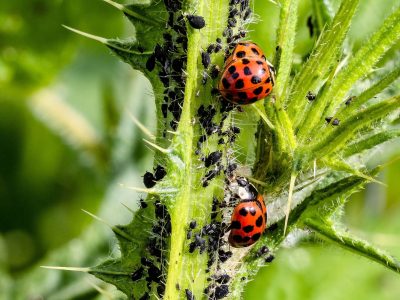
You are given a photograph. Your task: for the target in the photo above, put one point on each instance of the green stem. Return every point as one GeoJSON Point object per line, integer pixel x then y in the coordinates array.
{"type": "Point", "coordinates": [188, 269]}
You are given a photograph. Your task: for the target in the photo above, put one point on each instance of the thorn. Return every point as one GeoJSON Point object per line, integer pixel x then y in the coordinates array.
{"type": "Point", "coordinates": [128, 208]}
{"type": "Point", "coordinates": [115, 229]}
{"type": "Point", "coordinates": [289, 202]}
{"type": "Point", "coordinates": [149, 191]}
{"type": "Point", "coordinates": [105, 41]}
{"type": "Point", "coordinates": [96, 218]}
{"type": "Point", "coordinates": [173, 132]}
{"type": "Point", "coordinates": [103, 292]}
{"type": "Point", "coordinates": [141, 126]}
{"type": "Point", "coordinates": [263, 116]}
{"type": "Point", "coordinates": [73, 269]}
{"type": "Point", "coordinates": [372, 179]}
{"type": "Point", "coordinates": [315, 168]}
{"type": "Point", "coordinates": [163, 150]}
{"type": "Point", "coordinates": [131, 13]}
{"type": "Point", "coordinates": [88, 35]}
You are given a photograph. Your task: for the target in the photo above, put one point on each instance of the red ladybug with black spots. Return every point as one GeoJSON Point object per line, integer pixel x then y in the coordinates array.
{"type": "Point", "coordinates": [249, 217]}
{"type": "Point", "coordinates": [247, 75]}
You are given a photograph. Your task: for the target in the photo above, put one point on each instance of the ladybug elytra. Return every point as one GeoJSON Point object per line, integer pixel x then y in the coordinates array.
{"type": "Point", "coordinates": [249, 217]}
{"type": "Point", "coordinates": [247, 75]}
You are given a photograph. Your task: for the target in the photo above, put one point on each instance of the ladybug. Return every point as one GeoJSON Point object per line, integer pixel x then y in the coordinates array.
{"type": "Point", "coordinates": [247, 75]}
{"type": "Point", "coordinates": [249, 217]}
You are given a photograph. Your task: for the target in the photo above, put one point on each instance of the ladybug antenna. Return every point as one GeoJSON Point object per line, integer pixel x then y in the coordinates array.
{"type": "Point", "coordinates": [289, 202]}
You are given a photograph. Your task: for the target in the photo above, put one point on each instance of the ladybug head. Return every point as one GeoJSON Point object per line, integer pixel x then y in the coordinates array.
{"type": "Point", "coordinates": [243, 189]}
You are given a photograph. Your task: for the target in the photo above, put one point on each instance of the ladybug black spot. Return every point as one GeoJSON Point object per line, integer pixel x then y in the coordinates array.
{"type": "Point", "coordinates": [256, 237]}
{"type": "Point", "coordinates": [245, 61]}
{"type": "Point", "coordinates": [259, 221]}
{"type": "Point", "coordinates": [232, 69]}
{"type": "Point", "coordinates": [247, 71]}
{"type": "Point", "coordinates": [235, 225]}
{"type": "Point", "coordinates": [258, 90]}
{"type": "Point", "coordinates": [252, 100]}
{"type": "Point", "coordinates": [237, 238]}
{"type": "Point", "coordinates": [196, 22]}
{"type": "Point", "coordinates": [225, 83]}
{"type": "Point", "coordinates": [243, 212]}
{"type": "Point", "coordinates": [259, 62]}
{"type": "Point", "coordinates": [252, 211]}
{"type": "Point", "coordinates": [235, 75]}
{"type": "Point", "coordinates": [255, 51]}
{"type": "Point", "coordinates": [246, 239]}
{"type": "Point", "coordinates": [248, 228]}
{"type": "Point", "coordinates": [255, 79]}
{"type": "Point", "coordinates": [241, 54]}
{"type": "Point", "coordinates": [267, 90]}
{"type": "Point", "coordinates": [242, 95]}
{"type": "Point", "coordinates": [239, 84]}
{"type": "Point", "coordinates": [229, 96]}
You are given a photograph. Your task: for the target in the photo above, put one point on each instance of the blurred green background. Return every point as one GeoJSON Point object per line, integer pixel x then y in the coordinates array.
{"type": "Point", "coordinates": [67, 141]}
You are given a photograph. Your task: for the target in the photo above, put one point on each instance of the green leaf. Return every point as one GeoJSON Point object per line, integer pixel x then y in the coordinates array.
{"type": "Point", "coordinates": [338, 136]}
{"type": "Point", "coordinates": [322, 12]}
{"type": "Point", "coordinates": [370, 141]}
{"type": "Point", "coordinates": [326, 229]}
{"type": "Point", "coordinates": [358, 67]}
{"type": "Point", "coordinates": [368, 94]}
{"type": "Point", "coordinates": [285, 41]}
{"type": "Point", "coordinates": [362, 62]}
{"type": "Point", "coordinates": [316, 70]}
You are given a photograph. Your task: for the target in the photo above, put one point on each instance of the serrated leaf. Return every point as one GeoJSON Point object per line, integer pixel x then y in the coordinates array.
{"type": "Point", "coordinates": [326, 229]}
{"type": "Point", "coordinates": [370, 141]}
{"type": "Point", "coordinates": [358, 67]}
{"type": "Point", "coordinates": [357, 102]}
{"type": "Point", "coordinates": [318, 66]}
{"type": "Point", "coordinates": [323, 14]}
{"type": "Point", "coordinates": [336, 139]}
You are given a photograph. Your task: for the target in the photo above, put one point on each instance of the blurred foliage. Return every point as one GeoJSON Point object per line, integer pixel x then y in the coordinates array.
{"type": "Point", "coordinates": [44, 182]}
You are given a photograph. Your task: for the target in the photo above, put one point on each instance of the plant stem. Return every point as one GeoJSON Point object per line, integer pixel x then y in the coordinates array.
{"type": "Point", "coordinates": [188, 269]}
